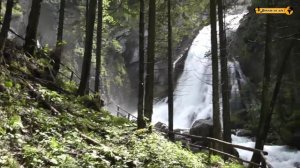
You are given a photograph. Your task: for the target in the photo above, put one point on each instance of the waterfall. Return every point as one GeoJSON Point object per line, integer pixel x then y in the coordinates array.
{"type": "Point", "coordinates": [193, 92]}
{"type": "Point", "coordinates": [193, 96]}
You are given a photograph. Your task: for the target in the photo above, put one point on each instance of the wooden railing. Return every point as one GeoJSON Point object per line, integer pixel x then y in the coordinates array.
{"type": "Point", "coordinates": [121, 112]}
{"type": "Point", "coordinates": [210, 141]}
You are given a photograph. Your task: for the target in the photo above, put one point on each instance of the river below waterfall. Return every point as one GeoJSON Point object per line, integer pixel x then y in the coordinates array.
{"type": "Point", "coordinates": [278, 156]}
{"type": "Point", "coordinates": [193, 96]}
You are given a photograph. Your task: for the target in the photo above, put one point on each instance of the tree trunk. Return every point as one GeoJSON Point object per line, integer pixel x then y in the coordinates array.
{"type": "Point", "coordinates": [217, 132]}
{"type": "Point", "coordinates": [150, 62]}
{"type": "Point", "coordinates": [32, 26]}
{"type": "Point", "coordinates": [224, 77]}
{"type": "Point", "coordinates": [276, 91]}
{"type": "Point", "coordinates": [277, 87]}
{"type": "Point", "coordinates": [86, 64]}
{"type": "Point", "coordinates": [140, 120]}
{"type": "Point", "coordinates": [265, 100]}
{"type": "Point", "coordinates": [59, 40]}
{"type": "Point", "coordinates": [98, 47]}
{"type": "Point", "coordinates": [6, 24]}
{"type": "Point", "coordinates": [87, 89]}
{"type": "Point", "coordinates": [0, 8]}
{"type": "Point", "coordinates": [170, 74]}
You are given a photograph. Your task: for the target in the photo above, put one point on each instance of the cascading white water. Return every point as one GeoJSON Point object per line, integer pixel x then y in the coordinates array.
{"type": "Point", "coordinates": [193, 93]}
{"type": "Point", "coordinates": [193, 96]}
{"type": "Point", "coordinates": [278, 156]}
{"type": "Point", "coordinates": [196, 73]}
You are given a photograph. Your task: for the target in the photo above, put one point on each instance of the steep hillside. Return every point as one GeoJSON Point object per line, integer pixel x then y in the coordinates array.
{"type": "Point", "coordinates": [41, 127]}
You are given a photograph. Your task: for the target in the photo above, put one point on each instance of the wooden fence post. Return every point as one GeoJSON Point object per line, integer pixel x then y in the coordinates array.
{"type": "Point", "coordinates": [263, 161]}
{"type": "Point", "coordinates": [209, 152]}
{"type": "Point", "coordinates": [118, 110]}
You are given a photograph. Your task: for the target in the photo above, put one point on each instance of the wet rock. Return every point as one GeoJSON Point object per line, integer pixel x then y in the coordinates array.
{"type": "Point", "coordinates": [297, 164]}
{"type": "Point", "coordinates": [236, 153]}
{"type": "Point", "coordinates": [296, 139]}
{"type": "Point", "coordinates": [291, 135]}
{"type": "Point", "coordinates": [202, 127]}
{"type": "Point", "coordinates": [161, 127]}
{"type": "Point", "coordinates": [273, 137]}
{"type": "Point", "coordinates": [244, 132]}
{"type": "Point", "coordinates": [182, 131]}
{"type": "Point", "coordinates": [180, 137]}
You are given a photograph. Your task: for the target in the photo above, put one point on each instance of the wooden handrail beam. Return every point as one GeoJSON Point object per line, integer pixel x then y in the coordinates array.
{"type": "Point", "coordinates": [119, 109]}
{"type": "Point", "coordinates": [222, 142]}
{"type": "Point", "coordinates": [226, 154]}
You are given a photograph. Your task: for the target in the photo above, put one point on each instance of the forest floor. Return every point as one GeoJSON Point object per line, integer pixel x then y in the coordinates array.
{"type": "Point", "coordinates": [41, 127]}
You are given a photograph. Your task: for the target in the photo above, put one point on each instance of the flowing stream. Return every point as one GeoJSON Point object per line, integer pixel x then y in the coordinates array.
{"type": "Point", "coordinates": [193, 96]}
{"type": "Point", "coordinates": [278, 156]}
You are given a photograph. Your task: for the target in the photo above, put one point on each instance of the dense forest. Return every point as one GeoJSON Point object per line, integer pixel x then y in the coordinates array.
{"type": "Point", "coordinates": [149, 83]}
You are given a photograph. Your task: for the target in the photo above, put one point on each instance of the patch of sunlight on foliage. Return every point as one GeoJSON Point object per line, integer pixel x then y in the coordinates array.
{"type": "Point", "coordinates": [118, 81]}
{"type": "Point", "coordinates": [217, 161]}
{"type": "Point", "coordinates": [155, 151]}
{"type": "Point", "coordinates": [70, 86]}
{"type": "Point", "coordinates": [79, 51]}
{"type": "Point", "coordinates": [8, 161]}
{"type": "Point", "coordinates": [43, 62]}
{"type": "Point", "coordinates": [117, 46]}
{"type": "Point", "coordinates": [8, 84]}
{"type": "Point", "coordinates": [15, 122]}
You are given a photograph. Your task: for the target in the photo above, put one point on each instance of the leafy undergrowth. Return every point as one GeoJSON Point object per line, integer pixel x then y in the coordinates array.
{"type": "Point", "coordinates": [33, 134]}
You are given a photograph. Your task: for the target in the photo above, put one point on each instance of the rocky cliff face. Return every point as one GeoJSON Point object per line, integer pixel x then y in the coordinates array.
{"type": "Point", "coordinates": [247, 47]}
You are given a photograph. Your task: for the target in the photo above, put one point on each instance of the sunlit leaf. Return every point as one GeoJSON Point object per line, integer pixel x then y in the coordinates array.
{"type": "Point", "coordinates": [8, 84]}
{"type": "Point", "coordinates": [15, 122]}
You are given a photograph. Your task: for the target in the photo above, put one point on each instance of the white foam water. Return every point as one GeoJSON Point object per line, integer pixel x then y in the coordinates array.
{"type": "Point", "coordinates": [193, 93]}
{"type": "Point", "coordinates": [278, 156]}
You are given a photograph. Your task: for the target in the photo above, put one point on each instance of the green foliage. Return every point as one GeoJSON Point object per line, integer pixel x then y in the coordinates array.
{"type": "Point", "coordinates": [8, 84]}
{"type": "Point", "coordinates": [70, 86]}
{"type": "Point", "coordinates": [117, 46]}
{"type": "Point", "coordinates": [155, 151]}
{"type": "Point", "coordinates": [46, 50]}
{"type": "Point", "coordinates": [217, 161]}
{"type": "Point", "coordinates": [15, 122]}
{"type": "Point", "coordinates": [9, 161]}
{"type": "Point", "coordinates": [17, 10]}
{"type": "Point", "coordinates": [118, 81]}
{"type": "Point", "coordinates": [61, 43]}
{"type": "Point", "coordinates": [79, 50]}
